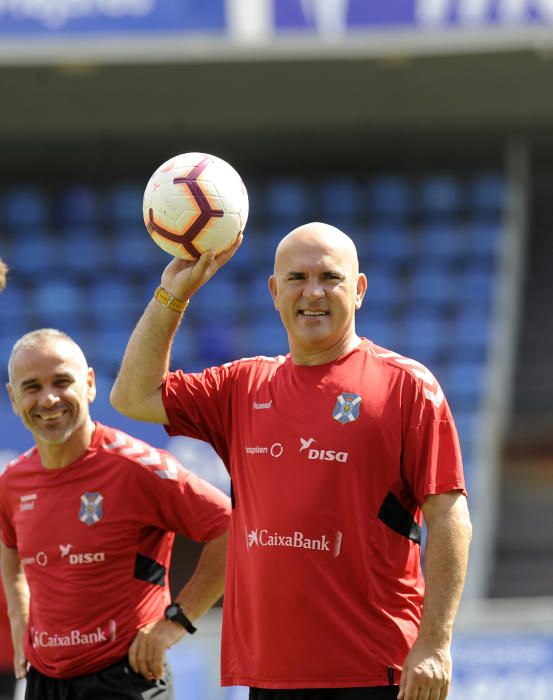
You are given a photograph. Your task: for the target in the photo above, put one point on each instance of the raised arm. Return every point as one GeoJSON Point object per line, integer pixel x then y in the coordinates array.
{"type": "Point", "coordinates": [17, 597]}
{"type": "Point", "coordinates": [203, 590]}
{"type": "Point", "coordinates": [427, 668]}
{"type": "Point", "coordinates": [137, 389]}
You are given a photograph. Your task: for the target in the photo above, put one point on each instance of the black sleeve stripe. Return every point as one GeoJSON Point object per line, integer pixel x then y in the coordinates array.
{"type": "Point", "coordinates": [399, 519]}
{"type": "Point", "coordinates": [149, 570]}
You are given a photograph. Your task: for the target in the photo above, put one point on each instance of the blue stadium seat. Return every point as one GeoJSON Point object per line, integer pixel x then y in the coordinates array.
{"type": "Point", "coordinates": [477, 284]}
{"type": "Point", "coordinates": [384, 286]}
{"type": "Point", "coordinates": [217, 343]}
{"type": "Point", "coordinates": [390, 197]}
{"type": "Point", "coordinates": [123, 204]}
{"type": "Point", "coordinates": [25, 206]}
{"type": "Point", "coordinates": [110, 346]}
{"type": "Point", "coordinates": [433, 284]}
{"type": "Point", "coordinates": [59, 304]}
{"type": "Point", "coordinates": [471, 328]}
{"type": "Point", "coordinates": [440, 195]}
{"type": "Point", "coordinates": [338, 200]}
{"type": "Point", "coordinates": [389, 243]}
{"type": "Point", "coordinates": [464, 384]}
{"type": "Point", "coordinates": [267, 337]}
{"type": "Point", "coordinates": [130, 248]}
{"type": "Point", "coordinates": [483, 238]}
{"type": "Point", "coordinates": [218, 300]}
{"type": "Point", "coordinates": [113, 303]}
{"type": "Point", "coordinates": [443, 240]}
{"type": "Point", "coordinates": [487, 193]}
{"type": "Point", "coordinates": [425, 332]}
{"type": "Point", "coordinates": [79, 204]}
{"type": "Point", "coordinates": [82, 248]}
{"type": "Point", "coordinates": [259, 297]}
{"type": "Point", "coordinates": [33, 252]}
{"type": "Point", "coordinates": [288, 198]}
{"type": "Point", "coordinates": [378, 328]}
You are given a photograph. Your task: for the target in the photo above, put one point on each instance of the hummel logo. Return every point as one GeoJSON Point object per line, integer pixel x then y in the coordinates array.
{"type": "Point", "coordinates": [65, 549]}
{"type": "Point", "coordinates": [27, 502]}
{"type": "Point", "coordinates": [306, 443]}
{"type": "Point", "coordinates": [259, 406]}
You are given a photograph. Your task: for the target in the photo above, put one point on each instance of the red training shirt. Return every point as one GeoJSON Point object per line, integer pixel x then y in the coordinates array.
{"type": "Point", "coordinates": [95, 541]}
{"type": "Point", "coordinates": [330, 465]}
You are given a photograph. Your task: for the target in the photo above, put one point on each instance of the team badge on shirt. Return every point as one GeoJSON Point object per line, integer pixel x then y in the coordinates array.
{"type": "Point", "coordinates": [91, 508]}
{"type": "Point", "coordinates": [347, 408]}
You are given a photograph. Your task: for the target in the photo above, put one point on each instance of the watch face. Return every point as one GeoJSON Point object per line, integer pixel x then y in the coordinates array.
{"type": "Point", "coordinates": [172, 611]}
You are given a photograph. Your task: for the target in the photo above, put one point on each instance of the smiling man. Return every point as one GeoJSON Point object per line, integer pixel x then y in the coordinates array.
{"type": "Point", "coordinates": [336, 451]}
{"type": "Point", "coordinates": [89, 516]}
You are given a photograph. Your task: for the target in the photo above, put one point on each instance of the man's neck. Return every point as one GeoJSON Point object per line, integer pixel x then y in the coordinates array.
{"type": "Point", "coordinates": [60, 456]}
{"type": "Point", "coordinates": [320, 356]}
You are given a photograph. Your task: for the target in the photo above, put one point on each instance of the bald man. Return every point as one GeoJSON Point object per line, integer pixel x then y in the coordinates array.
{"type": "Point", "coordinates": [336, 452]}
{"type": "Point", "coordinates": [89, 515]}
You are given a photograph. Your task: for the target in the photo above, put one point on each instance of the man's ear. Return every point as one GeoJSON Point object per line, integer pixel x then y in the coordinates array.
{"type": "Point", "coordinates": [91, 382]}
{"type": "Point", "coordinates": [12, 399]}
{"type": "Point", "coordinates": [361, 290]}
{"type": "Point", "coordinates": [273, 290]}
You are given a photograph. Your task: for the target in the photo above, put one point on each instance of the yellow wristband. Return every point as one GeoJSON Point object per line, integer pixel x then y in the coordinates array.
{"type": "Point", "coordinates": [171, 302]}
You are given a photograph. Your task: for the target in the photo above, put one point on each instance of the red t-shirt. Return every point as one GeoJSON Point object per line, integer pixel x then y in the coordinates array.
{"type": "Point", "coordinates": [95, 540]}
{"type": "Point", "coordinates": [330, 465]}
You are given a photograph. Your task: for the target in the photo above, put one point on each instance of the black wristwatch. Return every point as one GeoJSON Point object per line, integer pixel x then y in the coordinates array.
{"type": "Point", "coordinates": [175, 613]}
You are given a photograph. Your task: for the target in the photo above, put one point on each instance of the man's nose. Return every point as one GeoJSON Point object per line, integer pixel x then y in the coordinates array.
{"type": "Point", "coordinates": [313, 289]}
{"type": "Point", "coordinates": [50, 399]}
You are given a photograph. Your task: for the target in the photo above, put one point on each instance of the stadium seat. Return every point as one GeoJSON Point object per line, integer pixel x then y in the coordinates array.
{"type": "Point", "coordinates": [389, 243]}
{"type": "Point", "coordinates": [25, 206]}
{"type": "Point", "coordinates": [218, 300]}
{"type": "Point", "coordinates": [384, 286]}
{"type": "Point", "coordinates": [59, 304]}
{"type": "Point", "coordinates": [110, 344]}
{"type": "Point", "coordinates": [471, 330]}
{"type": "Point", "coordinates": [444, 240]}
{"type": "Point", "coordinates": [464, 384]}
{"type": "Point", "coordinates": [83, 246]}
{"type": "Point", "coordinates": [425, 334]}
{"type": "Point", "coordinates": [487, 193]}
{"type": "Point", "coordinates": [338, 200]}
{"type": "Point", "coordinates": [440, 195]}
{"type": "Point", "coordinates": [267, 337]}
{"type": "Point", "coordinates": [123, 204]}
{"type": "Point", "coordinates": [378, 328]}
{"type": "Point", "coordinates": [33, 251]}
{"type": "Point", "coordinates": [131, 249]}
{"type": "Point", "coordinates": [433, 284]}
{"type": "Point", "coordinates": [390, 197]}
{"type": "Point", "coordinates": [477, 284]}
{"type": "Point", "coordinates": [287, 197]}
{"type": "Point", "coordinates": [482, 238]}
{"type": "Point", "coordinates": [113, 303]}
{"type": "Point", "coordinates": [217, 343]}
{"type": "Point", "coordinates": [79, 204]}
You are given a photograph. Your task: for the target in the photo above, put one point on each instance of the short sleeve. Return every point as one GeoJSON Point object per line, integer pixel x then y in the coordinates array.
{"type": "Point", "coordinates": [177, 500]}
{"type": "Point", "coordinates": [7, 531]}
{"type": "Point", "coordinates": [432, 461]}
{"type": "Point", "coordinates": [198, 406]}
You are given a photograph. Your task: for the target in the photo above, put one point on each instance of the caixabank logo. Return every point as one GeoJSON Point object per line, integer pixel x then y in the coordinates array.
{"type": "Point", "coordinates": [262, 537]}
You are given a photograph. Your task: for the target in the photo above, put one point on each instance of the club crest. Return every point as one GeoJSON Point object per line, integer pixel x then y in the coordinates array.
{"type": "Point", "coordinates": [91, 508]}
{"type": "Point", "coordinates": [347, 408]}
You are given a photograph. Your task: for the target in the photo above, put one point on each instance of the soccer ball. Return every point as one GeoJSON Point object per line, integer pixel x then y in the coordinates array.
{"type": "Point", "coordinates": [195, 202]}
